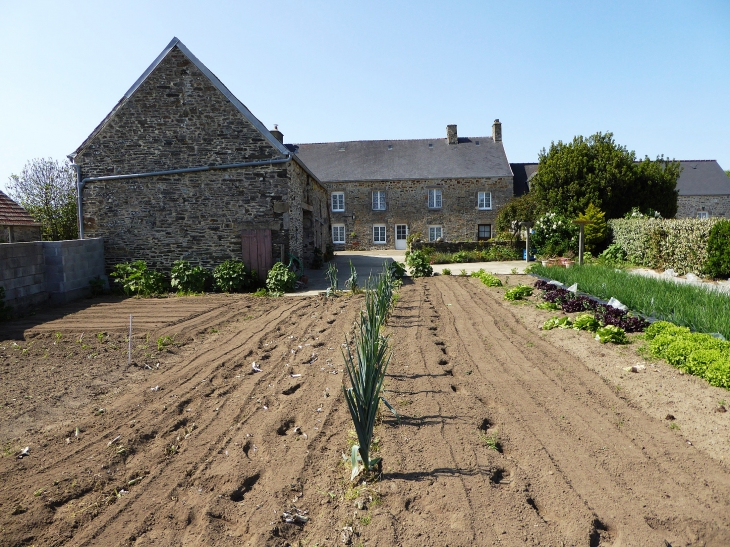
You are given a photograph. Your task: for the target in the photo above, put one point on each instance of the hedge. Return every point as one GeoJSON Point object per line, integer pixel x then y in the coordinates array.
{"type": "Point", "coordinates": [679, 244]}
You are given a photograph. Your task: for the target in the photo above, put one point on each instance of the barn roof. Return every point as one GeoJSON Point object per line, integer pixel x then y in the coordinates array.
{"type": "Point", "coordinates": [12, 214]}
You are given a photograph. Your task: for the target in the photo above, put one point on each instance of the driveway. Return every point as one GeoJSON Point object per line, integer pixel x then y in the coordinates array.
{"type": "Point", "coordinates": [371, 262]}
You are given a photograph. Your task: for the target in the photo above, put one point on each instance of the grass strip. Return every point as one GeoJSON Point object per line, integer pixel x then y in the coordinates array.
{"type": "Point", "coordinates": [699, 309]}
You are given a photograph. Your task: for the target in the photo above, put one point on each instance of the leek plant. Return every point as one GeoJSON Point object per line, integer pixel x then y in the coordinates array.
{"type": "Point", "coordinates": [331, 276]}
{"type": "Point", "coordinates": [366, 361]}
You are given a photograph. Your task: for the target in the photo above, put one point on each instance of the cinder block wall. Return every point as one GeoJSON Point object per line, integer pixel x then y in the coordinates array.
{"type": "Point", "coordinates": [43, 271]}
{"type": "Point", "coordinates": [22, 274]}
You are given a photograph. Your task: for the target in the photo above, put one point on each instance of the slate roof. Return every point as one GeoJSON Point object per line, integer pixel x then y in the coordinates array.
{"type": "Point", "coordinates": [702, 178]}
{"type": "Point", "coordinates": [523, 172]}
{"type": "Point", "coordinates": [12, 214]}
{"type": "Point", "coordinates": [414, 159]}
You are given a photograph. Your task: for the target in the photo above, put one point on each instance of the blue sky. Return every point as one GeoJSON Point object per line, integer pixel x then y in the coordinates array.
{"type": "Point", "coordinates": [655, 73]}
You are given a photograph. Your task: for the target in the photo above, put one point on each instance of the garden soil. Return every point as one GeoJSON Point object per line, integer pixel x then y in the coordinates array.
{"type": "Point", "coordinates": [507, 435]}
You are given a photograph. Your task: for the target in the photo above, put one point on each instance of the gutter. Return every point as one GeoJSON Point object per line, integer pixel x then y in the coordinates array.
{"type": "Point", "coordinates": [80, 183]}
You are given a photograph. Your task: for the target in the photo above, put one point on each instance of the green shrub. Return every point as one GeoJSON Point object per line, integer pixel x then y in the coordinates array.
{"type": "Point", "coordinates": [613, 254]}
{"type": "Point", "coordinates": [280, 279]}
{"type": "Point", "coordinates": [419, 264]}
{"type": "Point", "coordinates": [232, 276]}
{"type": "Point", "coordinates": [554, 235]}
{"type": "Point", "coordinates": [718, 250]}
{"type": "Point", "coordinates": [96, 285]}
{"type": "Point", "coordinates": [679, 244]}
{"type": "Point", "coordinates": [596, 230]}
{"type": "Point", "coordinates": [185, 278]}
{"type": "Point", "coordinates": [136, 279]}
{"type": "Point", "coordinates": [397, 269]}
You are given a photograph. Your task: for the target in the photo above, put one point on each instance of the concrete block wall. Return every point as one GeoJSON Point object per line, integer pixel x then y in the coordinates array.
{"type": "Point", "coordinates": [49, 271]}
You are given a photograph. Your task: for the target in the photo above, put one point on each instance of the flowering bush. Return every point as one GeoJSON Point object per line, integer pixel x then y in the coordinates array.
{"type": "Point", "coordinates": [680, 244]}
{"type": "Point", "coordinates": [554, 235]}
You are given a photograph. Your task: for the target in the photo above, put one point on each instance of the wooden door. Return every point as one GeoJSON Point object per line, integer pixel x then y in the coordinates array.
{"type": "Point", "coordinates": [257, 254]}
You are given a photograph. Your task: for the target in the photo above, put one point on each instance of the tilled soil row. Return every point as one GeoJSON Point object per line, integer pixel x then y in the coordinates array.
{"type": "Point", "coordinates": [504, 437]}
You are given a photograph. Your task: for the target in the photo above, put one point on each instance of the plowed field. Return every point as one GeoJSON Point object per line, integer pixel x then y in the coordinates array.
{"type": "Point", "coordinates": [508, 435]}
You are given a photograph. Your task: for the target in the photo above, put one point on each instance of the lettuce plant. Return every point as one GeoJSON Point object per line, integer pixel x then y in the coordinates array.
{"type": "Point", "coordinates": [611, 333]}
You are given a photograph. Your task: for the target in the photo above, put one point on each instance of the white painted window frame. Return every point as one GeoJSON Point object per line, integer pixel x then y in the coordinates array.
{"type": "Point", "coordinates": [338, 202]}
{"type": "Point", "coordinates": [338, 228]}
{"type": "Point", "coordinates": [434, 228]}
{"type": "Point", "coordinates": [382, 229]}
{"type": "Point", "coordinates": [482, 199]}
{"type": "Point", "coordinates": [379, 203]}
{"type": "Point", "coordinates": [435, 198]}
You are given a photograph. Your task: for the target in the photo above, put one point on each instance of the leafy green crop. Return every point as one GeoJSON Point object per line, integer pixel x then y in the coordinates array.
{"type": "Point", "coordinates": [518, 292]}
{"type": "Point", "coordinates": [419, 264]}
{"type": "Point", "coordinates": [557, 321]}
{"type": "Point", "coordinates": [280, 279]}
{"type": "Point", "coordinates": [611, 333]}
{"type": "Point", "coordinates": [186, 278]}
{"type": "Point", "coordinates": [586, 321]}
{"type": "Point", "coordinates": [488, 279]}
{"type": "Point", "coordinates": [231, 276]}
{"type": "Point", "coordinates": [136, 279]}
{"type": "Point", "coordinates": [548, 306]}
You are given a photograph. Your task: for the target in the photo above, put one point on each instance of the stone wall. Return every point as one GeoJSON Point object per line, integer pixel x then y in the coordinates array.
{"type": "Point", "coordinates": [309, 207]}
{"type": "Point", "coordinates": [178, 119]}
{"type": "Point", "coordinates": [193, 216]}
{"type": "Point", "coordinates": [407, 203]}
{"type": "Point", "coordinates": [49, 271]}
{"type": "Point", "coordinates": [453, 247]}
{"type": "Point", "coordinates": [716, 206]}
{"type": "Point", "coordinates": [19, 233]}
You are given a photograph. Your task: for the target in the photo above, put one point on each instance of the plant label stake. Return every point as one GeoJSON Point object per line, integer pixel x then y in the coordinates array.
{"type": "Point", "coordinates": [129, 350]}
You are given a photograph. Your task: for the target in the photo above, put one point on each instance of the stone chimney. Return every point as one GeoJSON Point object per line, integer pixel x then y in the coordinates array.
{"type": "Point", "coordinates": [278, 135]}
{"type": "Point", "coordinates": [451, 136]}
{"type": "Point", "coordinates": [497, 131]}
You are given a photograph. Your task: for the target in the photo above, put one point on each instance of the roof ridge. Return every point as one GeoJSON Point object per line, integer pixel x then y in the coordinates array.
{"type": "Point", "coordinates": [387, 140]}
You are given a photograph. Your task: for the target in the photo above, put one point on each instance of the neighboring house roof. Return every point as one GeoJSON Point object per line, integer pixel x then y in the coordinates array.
{"type": "Point", "coordinates": [523, 173]}
{"type": "Point", "coordinates": [12, 214]}
{"type": "Point", "coordinates": [702, 178]}
{"type": "Point", "coordinates": [214, 80]}
{"type": "Point", "coordinates": [404, 159]}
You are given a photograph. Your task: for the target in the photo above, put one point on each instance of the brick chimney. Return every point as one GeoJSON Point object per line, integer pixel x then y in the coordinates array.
{"type": "Point", "coordinates": [451, 136]}
{"type": "Point", "coordinates": [497, 131]}
{"type": "Point", "coordinates": [278, 135]}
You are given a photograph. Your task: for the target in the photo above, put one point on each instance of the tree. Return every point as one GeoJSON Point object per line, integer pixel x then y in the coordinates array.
{"type": "Point", "coordinates": [597, 170]}
{"type": "Point", "coordinates": [46, 188]}
{"type": "Point", "coordinates": [523, 208]}
{"type": "Point", "coordinates": [596, 230]}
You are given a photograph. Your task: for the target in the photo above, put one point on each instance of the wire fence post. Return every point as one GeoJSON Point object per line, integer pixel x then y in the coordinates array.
{"type": "Point", "coordinates": [129, 350]}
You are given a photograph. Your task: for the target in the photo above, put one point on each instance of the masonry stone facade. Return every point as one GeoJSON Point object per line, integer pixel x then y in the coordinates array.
{"type": "Point", "coordinates": [178, 116]}
{"type": "Point", "coordinates": [407, 203]}
{"type": "Point", "coordinates": [694, 206]}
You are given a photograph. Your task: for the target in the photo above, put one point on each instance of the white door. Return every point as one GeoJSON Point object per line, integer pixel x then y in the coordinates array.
{"type": "Point", "coordinates": [401, 232]}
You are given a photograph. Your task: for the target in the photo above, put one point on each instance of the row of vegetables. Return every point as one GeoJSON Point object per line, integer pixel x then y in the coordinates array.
{"type": "Point", "coordinates": [700, 354]}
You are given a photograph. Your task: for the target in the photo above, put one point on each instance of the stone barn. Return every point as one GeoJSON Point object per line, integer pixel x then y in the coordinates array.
{"type": "Point", "coordinates": [16, 224]}
{"type": "Point", "coordinates": [181, 169]}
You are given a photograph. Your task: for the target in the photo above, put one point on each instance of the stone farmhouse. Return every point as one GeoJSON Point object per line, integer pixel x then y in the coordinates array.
{"type": "Point", "coordinates": [380, 191]}
{"type": "Point", "coordinates": [16, 224]}
{"type": "Point", "coordinates": [181, 169]}
{"type": "Point", "coordinates": [704, 190]}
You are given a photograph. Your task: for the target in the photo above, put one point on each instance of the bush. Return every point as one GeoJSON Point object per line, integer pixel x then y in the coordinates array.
{"type": "Point", "coordinates": [718, 250]}
{"type": "Point", "coordinates": [185, 278]}
{"type": "Point", "coordinates": [596, 230]}
{"type": "Point", "coordinates": [136, 279]}
{"type": "Point", "coordinates": [613, 254]}
{"type": "Point", "coordinates": [280, 279]}
{"type": "Point", "coordinates": [397, 269]}
{"type": "Point", "coordinates": [679, 244]}
{"type": "Point", "coordinates": [232, 276]}
{"type": "Point", "coordinates": [419, 264]}
{"type": "Point", "coordinates": [554, 235]}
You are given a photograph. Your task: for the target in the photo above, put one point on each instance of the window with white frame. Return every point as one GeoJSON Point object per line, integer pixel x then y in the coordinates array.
{"type": "Point", "coordinates": [379, 200]}
{"type": "Point", "coordinates": [703, 214]}
{"type": "Point", "coordinates": [434, 198]}
{"type": "Point", "coordinates": [434, 232]}
{"type": "Point", "coordinates": [484, 200]}
{"type": "Point", "coordinates": [338, 234]}
{"type": "Point", "coordinates": [379, 236]}
{"type": "Point", "coordinates": [338, 201]}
